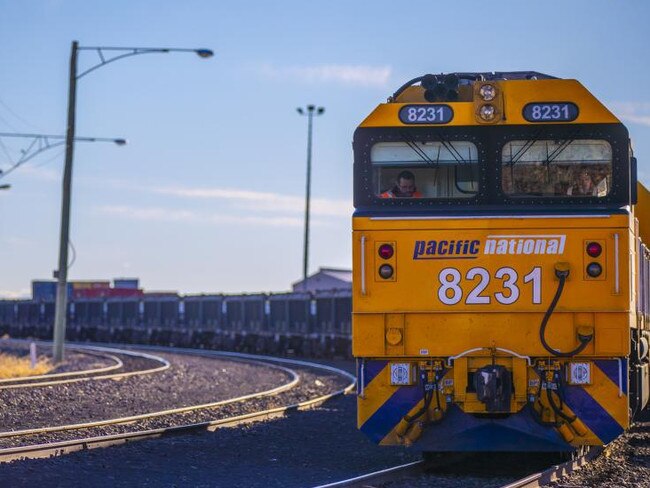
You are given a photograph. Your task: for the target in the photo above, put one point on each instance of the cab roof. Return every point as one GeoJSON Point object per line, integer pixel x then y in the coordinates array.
{"type": "Point", "coordinates": [516, 90]}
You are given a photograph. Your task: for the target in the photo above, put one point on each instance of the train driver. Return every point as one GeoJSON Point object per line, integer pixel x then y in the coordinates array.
{"type": "Point", "coordinates": [404, 187]}
{"type": "Point", "coordinates": [585, 186]}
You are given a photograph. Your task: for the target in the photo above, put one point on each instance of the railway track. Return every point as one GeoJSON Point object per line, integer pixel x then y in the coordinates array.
{"type": "Point", "coordinates": [115, 371]}
{"type": "Point", "coordinates": [403, 475]}
{"type": "Point", "coordinates": [46, 441]}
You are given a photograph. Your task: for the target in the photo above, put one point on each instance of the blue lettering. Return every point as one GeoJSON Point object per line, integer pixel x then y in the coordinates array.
{"type": "Point", "coordinates": [419, 249]}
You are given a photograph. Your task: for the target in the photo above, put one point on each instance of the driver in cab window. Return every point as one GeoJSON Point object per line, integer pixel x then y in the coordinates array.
{"type": "Point", "coordinates": [404, 187]}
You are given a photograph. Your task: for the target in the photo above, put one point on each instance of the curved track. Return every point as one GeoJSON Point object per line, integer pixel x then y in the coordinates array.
{"type": "Point", "coordinates": [136, 425]}
{"type": "Point", "coordinates": [88, 374]}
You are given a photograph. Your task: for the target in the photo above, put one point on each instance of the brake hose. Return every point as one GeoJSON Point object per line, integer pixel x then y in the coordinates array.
{"type": "Point", "coordinates": [557, 409]}
{"type": "Point", "coordinates": [428, 395]}
{"type": "Point", "coordinates": [584, 340]}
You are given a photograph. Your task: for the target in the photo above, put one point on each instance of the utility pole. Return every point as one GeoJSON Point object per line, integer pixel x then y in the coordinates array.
{"type": "Point", "coordinates": [62, 271]}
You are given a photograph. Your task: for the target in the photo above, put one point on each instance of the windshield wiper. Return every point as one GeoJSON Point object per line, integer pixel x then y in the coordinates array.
{"type": "Point", "coordinates": [452, 150]}
{"type": "Point", "coordinates": [524, 149]}
{"type": "Point", "coordinates": [558, 150]}
{"type": "Point", "coordinates": [418, 150]}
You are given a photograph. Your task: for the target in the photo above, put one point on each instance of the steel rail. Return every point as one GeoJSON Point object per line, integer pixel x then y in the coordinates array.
{"type": "Point", "coordinates": [165, 365]}
{"type": "Point", "coordinates": [65, 447]}
{"type": "Point", "coordinates": [397, 473]}
{"type": "Point", "coordinates": [32, 380]}
{"type": "Point", "coordinates": [558, 471]}
{"type": "Point", "coordinates": [295, 378]}
{"type": "Point", "coordinates": [381, 476]}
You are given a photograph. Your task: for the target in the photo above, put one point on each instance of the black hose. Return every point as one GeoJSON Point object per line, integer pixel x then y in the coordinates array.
{"type": "Point", "coordinates": [556, 408]}
{"type": "Point", "coordinates": [584, 341]}
{"type": "Point", "coordinates": [427, 401]}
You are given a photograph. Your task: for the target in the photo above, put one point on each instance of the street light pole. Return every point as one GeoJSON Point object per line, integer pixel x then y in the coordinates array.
{"type": "Point", "coordinates": [62, 271]}
{"type": "Point", "coordinates": [310, 111]}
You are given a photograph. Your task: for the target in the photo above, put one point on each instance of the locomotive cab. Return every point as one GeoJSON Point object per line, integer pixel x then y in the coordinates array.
{"type": "Point", "coordinates": [499, 268]}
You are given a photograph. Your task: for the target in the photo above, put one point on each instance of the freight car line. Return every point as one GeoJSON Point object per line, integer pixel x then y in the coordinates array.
{"type": "Point", "coordinates": [65, 447]}
{"type": "Point", "coordinates": [114, 376]}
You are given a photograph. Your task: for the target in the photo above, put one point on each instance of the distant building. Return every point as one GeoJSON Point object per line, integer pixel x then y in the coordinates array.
{"type": "Point", "coordinates": [326, 279]}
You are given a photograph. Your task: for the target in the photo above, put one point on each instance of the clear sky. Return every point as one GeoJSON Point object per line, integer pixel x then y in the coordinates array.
{"type": "Point", "coordinates": [208, 196]}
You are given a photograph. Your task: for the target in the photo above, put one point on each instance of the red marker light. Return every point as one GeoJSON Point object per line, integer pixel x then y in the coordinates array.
{"type": "Point", "coordinates": [386, 251]}
{"type": "Point", "coordinates": [594, 249]}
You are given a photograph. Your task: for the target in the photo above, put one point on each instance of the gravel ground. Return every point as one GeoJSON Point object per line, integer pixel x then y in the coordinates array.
{"type": "Point", "coordinates": [190, 381]}
{"type": "Point", "coordinates": [74, 360]}
{"type": "Point", "coordinates": [625, 463]}
{"type": "Point", "coordinates": [312, 385]}
{"type": "Point", "coordinates": [304, 449]}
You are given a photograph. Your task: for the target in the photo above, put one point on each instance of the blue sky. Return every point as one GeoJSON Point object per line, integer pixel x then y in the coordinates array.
{"type": "Point", "coordinates": [208, 195]}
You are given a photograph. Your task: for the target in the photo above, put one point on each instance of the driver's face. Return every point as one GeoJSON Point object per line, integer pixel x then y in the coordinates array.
{"type": "Point", "coordinates": [406, 187]}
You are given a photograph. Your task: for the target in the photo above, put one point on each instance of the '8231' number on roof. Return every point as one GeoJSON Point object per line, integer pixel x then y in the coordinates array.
{"type": "Point", "coordinates": [426, 114]}
{"type": "Point", "coordinates": [551, 112]}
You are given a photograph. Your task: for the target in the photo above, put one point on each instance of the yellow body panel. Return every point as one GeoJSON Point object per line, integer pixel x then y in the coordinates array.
{"type": "Point", "coordinates": [517, 93]}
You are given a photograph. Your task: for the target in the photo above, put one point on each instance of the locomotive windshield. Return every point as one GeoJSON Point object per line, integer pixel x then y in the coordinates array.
{"type": "Point", "coordinates": [432, 169]}
{"type": "Point", "coordinates": [546, 168]}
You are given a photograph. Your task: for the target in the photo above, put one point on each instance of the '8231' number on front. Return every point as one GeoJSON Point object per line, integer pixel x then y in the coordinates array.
{"type": "Point", "coordinates": [451, 291]}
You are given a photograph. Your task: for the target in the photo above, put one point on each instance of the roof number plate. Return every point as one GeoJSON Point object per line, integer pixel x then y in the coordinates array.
{"type": "Point", "coordinates": [551, 112]}
{"type": "Point", "coordinates": [426, 114]}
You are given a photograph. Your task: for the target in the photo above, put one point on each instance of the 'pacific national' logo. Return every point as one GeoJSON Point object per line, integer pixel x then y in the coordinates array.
{"type": "Point", "coordinates": [494, 244]}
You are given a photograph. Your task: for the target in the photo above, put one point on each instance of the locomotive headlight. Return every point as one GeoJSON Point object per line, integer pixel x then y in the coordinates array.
{"type": "Point", "coordinates": [488, 92]}
{"type": "Point", "coordinates": [487, 112]}
{"type": "Point", "coordinates": [594, 270]}
{"type": "Point", "coordinates": [386, 271]}
{"type": "Point", "coordinates": [579, 373]}
{"type": "Point", "coordinates": [401, 374]}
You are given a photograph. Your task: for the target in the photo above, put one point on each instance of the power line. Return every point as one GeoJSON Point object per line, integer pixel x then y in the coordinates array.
{"type": "Point", "coordinates": [12, 112]}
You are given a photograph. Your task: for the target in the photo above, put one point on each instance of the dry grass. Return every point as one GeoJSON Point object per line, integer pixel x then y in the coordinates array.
{"type": "Point", "coordinates": [15, 367]}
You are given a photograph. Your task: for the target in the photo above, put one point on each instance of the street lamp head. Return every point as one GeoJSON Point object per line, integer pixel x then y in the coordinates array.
{"type": "Point", "coordinates": [300, 111]}
{"type": "Point", "coordinates": [204, 53]}
{"type": "Point", "coordinates": [311, 107]}
{"type": "Point", "coordinates": [120, 142]}
{"type": "Point", "coordinates": [320, 110]}
{"type": "Point", "coordinates": [5, 187]}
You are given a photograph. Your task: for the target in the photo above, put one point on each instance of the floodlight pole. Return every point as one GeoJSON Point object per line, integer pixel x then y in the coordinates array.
{"type": "Point", "coordinates": [310, 111]}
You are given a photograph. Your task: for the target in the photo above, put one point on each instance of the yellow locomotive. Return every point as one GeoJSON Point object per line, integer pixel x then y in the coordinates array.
{"type": "Point", "coordinates": [501, 283]}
